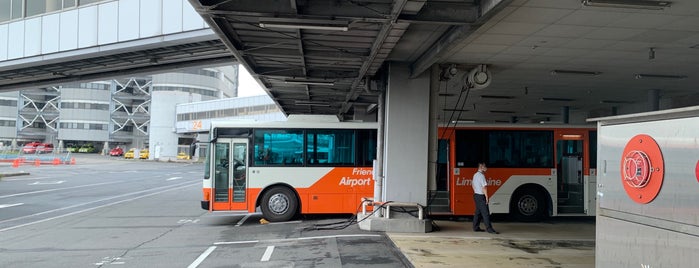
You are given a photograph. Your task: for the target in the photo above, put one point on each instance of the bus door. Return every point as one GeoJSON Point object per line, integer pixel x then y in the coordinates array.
{"type": "Point", "coordinates": [230, 174]}
{"type": "Point", "coordinates": [569, 170]}
{"type": "Point", "coordinates": [439, 198]}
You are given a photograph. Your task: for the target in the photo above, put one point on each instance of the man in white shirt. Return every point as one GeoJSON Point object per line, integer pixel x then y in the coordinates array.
{"type": "Point", "coordinates": [480, 196]}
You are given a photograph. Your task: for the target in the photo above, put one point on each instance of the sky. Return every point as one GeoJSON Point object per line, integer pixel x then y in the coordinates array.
{"type": "Point", "coordinates": [248, 86]}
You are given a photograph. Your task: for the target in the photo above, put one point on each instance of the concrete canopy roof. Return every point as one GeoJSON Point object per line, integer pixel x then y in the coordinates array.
{"type": "Point", "coordinates": [319, 57]}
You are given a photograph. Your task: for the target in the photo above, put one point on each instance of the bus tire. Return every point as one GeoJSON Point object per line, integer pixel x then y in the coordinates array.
{"type": "Point", "coordinates": [279, 204]}
{"type": "Point", "coordinates": [528, 205]}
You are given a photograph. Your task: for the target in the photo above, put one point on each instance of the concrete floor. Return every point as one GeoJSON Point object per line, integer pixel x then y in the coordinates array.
{"type": "Point", "coordinates": [561, 242]}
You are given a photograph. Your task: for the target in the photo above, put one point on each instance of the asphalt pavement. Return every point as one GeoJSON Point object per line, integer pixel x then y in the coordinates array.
{"type": "Point", "coordinates": [202, 239]}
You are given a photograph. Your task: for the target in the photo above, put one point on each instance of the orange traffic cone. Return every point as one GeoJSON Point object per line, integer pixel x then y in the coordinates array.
{"type": "Point", "coordinates": [37, 162]}
{"type": "Point", "coordinates": [15, 163]}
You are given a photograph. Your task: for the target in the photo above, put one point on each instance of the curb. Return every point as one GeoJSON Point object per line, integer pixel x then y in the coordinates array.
{"type": "Point", "coordinates": [3, 175]}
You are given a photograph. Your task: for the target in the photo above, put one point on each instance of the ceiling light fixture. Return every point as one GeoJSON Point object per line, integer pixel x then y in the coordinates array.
{"type": "Point", "coordinates": [496, 97]}
{"type": "Point", "coordinates": [309, 82]}
{"type": "Point", "coordinates": [555, 99]}
{"type": "Point", "coordinates": [312, 103]}
{"type": "Point", "coordinates": [463, 121]}
{"type": "Point", "coordinates": [662, 76]}
{"type": "Point", "coordinates": [307, 24]}
{"type": "Point", "coordinates": [615, 102]}
{"type": "Point", "coordinates": [574, 72]}
{"type": "Point", "coordinates": [637, 4]}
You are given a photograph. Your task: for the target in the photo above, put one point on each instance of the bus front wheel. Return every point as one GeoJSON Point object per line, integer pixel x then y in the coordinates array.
{"type": "Point", "coordinates": [528, 205]}
{"type": "Point", "coordinates": [279, 204]}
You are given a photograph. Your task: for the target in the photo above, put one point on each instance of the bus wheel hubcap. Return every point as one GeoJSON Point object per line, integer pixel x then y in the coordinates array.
{"type": "Point", "coordinates": [527, 205]}
{"type": "Point", "coordinates": [278, 203]}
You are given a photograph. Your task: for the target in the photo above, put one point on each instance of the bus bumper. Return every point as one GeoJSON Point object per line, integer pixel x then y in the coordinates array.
{"type": "Point", "coordinates": [205, 205]}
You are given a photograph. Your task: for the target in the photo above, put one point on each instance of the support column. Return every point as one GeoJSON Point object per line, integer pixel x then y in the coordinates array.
{"type": "Point", "coordinates": [433, 124]}
{"type": "Point", "coordinates": [406, 148]}
{"type": "Point", "coordinates": [406, 136]}
{"type": "Point", "coordinates": [565, 114]}
{"type": "Point", "coordinates": [653, 99]}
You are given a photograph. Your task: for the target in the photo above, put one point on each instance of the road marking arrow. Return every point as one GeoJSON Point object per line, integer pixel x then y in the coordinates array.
{"type": "Point", "coordinates": [10, 205]}
{"type": "Point", "coordinates": [174, 178]}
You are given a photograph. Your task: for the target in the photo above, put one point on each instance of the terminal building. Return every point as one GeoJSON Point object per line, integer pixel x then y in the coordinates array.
{"type": "Point", "coordinates": [135, 112]}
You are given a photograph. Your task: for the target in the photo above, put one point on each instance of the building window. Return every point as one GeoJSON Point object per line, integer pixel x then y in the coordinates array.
{"type": "Point", "coordinates": [35, 7]}
{"type": "Point", "coordinates": [87, 2]}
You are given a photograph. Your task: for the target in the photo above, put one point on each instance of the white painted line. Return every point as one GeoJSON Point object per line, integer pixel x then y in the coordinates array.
{"type": "Point", "coordinates": [156, 191]}
{"type": "Point", "coordinates": [10, 205]}
{"type": "Point", "coordinates": [173, 178]}
{"type": "Point", "coordinates": [284, 222]}
{"type": "Point", "coordinates": [268, 253]}
{"type": "Point", "coordinates": [25, 179]}
{"type": "Point", "coordinates": [46, 182]}
{"type": "Point", "coordinates": [243, 220]}
{"type": "Point", "coordinates": [292, 239]}
{"type": "Point", "coordinates": [202, 257]}
{"type": "Point", "coordinates": [57, 189]}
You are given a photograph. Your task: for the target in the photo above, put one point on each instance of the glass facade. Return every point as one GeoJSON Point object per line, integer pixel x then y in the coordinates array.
{"type": "Point", "coordinates": [17, 9]}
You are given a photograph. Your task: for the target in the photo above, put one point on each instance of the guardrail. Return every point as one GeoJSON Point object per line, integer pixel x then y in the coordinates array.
{"type": "Point", "coordinates": [17, 158]}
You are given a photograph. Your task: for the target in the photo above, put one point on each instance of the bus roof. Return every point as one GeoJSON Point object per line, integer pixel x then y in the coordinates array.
{"type": "Point", "coordinates": [298, 121]}
{"type": "Point", "coordinates": [515, 126]}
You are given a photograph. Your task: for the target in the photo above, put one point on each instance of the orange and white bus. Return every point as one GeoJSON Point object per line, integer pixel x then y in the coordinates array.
{"type": "Point", "coordinates": [308, 164]}
{"type": "Point", "coordinates": [533, 170]}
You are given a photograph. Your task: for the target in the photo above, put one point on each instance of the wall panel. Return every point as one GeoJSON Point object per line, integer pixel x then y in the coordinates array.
{"type": "Point", "coordinates": [4, 31]}
{"type": "Point", "coordinates": [87, 29]}
{"type": "Point", "coordinates": [172, 16]}
{"type": "Point", "coordinates": [128, 19]}
{"type": "Point", "coordinates": [32, 37]}
{"type": "Point", "coordinates": [151, 18]}
{"type": "Point", "coordinates": [108, 27]}
{"type": "Point", "coordinates": [50, 33]}
{"type": "Point", "coordinates": [15, 40]}
{"type": "Point", "coordinates": [69, 33]}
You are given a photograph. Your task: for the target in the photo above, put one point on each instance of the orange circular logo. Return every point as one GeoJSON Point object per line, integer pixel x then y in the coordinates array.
{"type": "Point", "coordinates": [642, 169]}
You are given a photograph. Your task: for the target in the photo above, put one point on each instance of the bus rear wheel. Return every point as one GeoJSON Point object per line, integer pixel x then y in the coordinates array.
{"type": "Point", "coordinates": [279, 204]}
{"type": "Point", "coordinates": [528, 205]}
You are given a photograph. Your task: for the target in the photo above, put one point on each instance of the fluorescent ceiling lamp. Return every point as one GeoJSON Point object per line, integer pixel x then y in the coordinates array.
{"type": "Point", "coordinates": [463, 121]}
{"type": "Point", "coordinates": [312, 103]}
{"type": "Point", "coordinates": [496, 97]}
{"type": "Point", "coordinates": [308, 24]}
{"type": "Point", "coordinates": [662, 76]}
{"type": "Point", "coordinates": [555, 99]}
{"type": "Point", "coordinates": [309, 82]}
{"type": "Point", "coordinates": [571, 136]}
{"type": "Point", "coordinates": [637, 4]}
{"type": "Point", "coordinates": [574, 72]}
{"type": "Point", "coordinates": [615, 102]}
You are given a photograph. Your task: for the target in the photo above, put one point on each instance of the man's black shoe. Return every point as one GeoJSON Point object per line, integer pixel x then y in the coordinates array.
{"type": "Point", "coordinates": [493, 231]}
{"type": "Point", "coordinates": [478, 230]}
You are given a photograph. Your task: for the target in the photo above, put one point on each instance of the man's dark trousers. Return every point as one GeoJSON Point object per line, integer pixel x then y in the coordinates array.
{"type": "Point", "coordinates": [482, 211]}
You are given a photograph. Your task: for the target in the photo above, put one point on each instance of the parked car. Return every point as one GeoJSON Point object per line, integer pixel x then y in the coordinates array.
{"type": "Point", "coordinates": [44, 148]}
{"type": "Point", "coordinates": [144, 154]}
{"type": "Point", "coordinates": [116, 151]}
{"type": "Point", "coordinates": [182, 156]}
{"type": "Point", "coordinates": [72, 148]}
{"type": "Point", "coordinates": [130, 154]}
{"type": "Point", "coordinates": [30, 148]}
{"type": "Point", "coordinates": [87, 148]}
